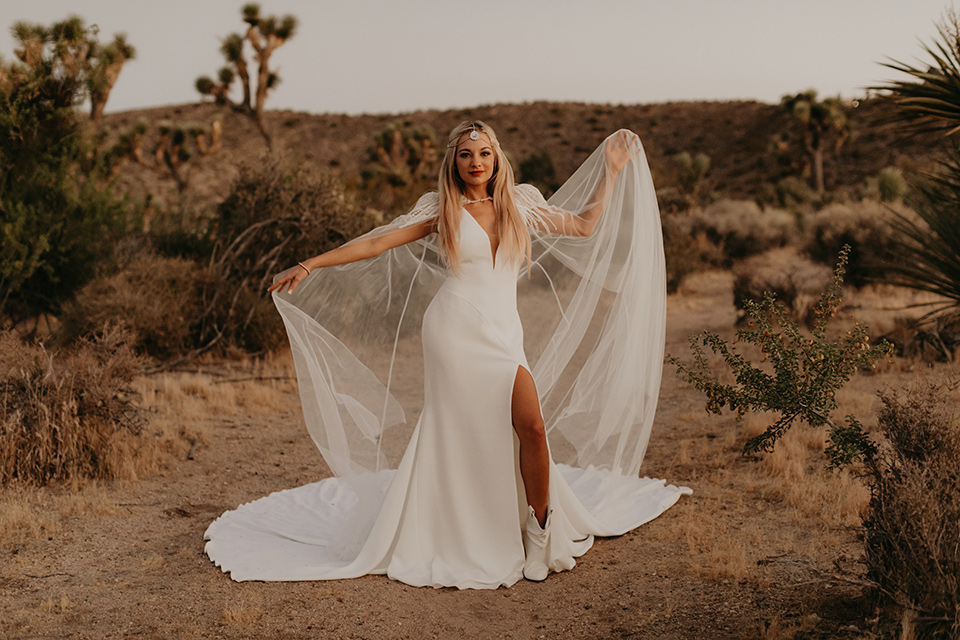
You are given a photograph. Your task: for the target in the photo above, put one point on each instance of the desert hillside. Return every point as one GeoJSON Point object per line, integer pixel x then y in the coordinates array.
{"type": "Point", "coordinates": [737, 136]}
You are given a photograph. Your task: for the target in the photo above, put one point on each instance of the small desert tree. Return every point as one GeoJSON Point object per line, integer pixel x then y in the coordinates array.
{"type": "Point", "coordinates": [823, 125]}
{"type": "Point", "coordinates": [264, 34]}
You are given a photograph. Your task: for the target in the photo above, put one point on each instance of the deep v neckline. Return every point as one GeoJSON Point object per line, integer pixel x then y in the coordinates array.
{"type": "Point", "coordinates": [493, 251]}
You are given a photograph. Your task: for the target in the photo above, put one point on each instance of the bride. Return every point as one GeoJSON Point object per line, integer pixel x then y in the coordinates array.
{"type": "Point", "coordinates": [477, 499]}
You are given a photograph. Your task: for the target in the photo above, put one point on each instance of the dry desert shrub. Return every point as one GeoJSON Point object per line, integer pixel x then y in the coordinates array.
{"type": "Point", "coordinates": [912, 532]}
{"type": "Point", "coordinates": [864, 226]}
{"type": "Point", "coordinates": [156, 298]}
{"type": "Point", "coordinates": [71, 414]}
{"type": "Point", "coordinates": [796, 281]}
{"type": "Point", "coordinates": [740, 228]}
{"type": "Point", "coordinates": [274, 216]}
{"type": "Point", "coordinates": [685, 253]}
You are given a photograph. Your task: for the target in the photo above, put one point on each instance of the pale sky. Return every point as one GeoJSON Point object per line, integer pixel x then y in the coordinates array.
{"type": "Point", "coordinates": [390, 56]}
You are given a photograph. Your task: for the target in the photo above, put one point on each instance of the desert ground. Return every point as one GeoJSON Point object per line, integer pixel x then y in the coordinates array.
{"type": "Point", "coordinates": [764, 548]}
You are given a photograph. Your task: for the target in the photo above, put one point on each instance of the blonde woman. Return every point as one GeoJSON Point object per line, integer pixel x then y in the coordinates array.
{"type": "Point", "coordinates": [476, 501]}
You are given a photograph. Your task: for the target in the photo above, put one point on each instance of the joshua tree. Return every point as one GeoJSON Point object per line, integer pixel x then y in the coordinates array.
{"type": "Point", "coordinates": [103, 74]}
{"type": "Point", "coordinates": [177, 150]}
{"type": "Point", "coordinates": [264, 34]}
{"type": "Point", "coordinates": [823, 124]}
{"type": "Point", "coordinates": [71, 59]}
{"type": "Point", "coordinates": [403, 161]}
{"type": "Point", "coordinates": [691, 171]}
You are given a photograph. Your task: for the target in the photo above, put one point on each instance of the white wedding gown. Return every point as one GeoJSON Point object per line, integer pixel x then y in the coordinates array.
{"type": "Point", "coordinates": [451, 513]}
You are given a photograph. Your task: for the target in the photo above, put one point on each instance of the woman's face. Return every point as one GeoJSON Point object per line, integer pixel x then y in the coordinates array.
{"type": "Point", "coordinates": [475, 160]}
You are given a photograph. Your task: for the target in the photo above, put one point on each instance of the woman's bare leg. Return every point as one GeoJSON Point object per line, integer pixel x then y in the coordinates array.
{"type": "Point", "coordinates": [534, 456]}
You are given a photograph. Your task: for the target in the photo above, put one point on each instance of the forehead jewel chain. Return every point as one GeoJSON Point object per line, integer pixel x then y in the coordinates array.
{"type": "Point", "coordinates": [473, 135]}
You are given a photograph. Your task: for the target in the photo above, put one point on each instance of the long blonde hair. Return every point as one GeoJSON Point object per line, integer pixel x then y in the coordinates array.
{"type": "Point", "coordinates": [511, 226]}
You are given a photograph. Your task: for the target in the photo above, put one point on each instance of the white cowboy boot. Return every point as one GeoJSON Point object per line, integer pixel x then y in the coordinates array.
{"type": "Point", "coordinates": [535, 541]}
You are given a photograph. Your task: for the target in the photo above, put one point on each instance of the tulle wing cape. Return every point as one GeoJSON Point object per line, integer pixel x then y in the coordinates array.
{"type": "Point", "coordinates": [592, 308]}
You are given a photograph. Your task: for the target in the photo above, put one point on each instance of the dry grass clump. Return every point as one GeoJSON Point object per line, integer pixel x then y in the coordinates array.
{"type": "Point", "coordinates": [796, 280]}
{"type": "Point", "coordinates": [862, 225]}
{"type": "Point", "coordinates": [913, 530]}
{"type": "Point", "coordinates": [794, 473]}
{"type": "Point", "coordinates": [156, 298]}
{"type": "Point", "coordinates": [71, 414]}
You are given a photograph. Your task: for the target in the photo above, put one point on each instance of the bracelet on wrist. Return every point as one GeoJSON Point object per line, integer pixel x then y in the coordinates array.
{"type": "Point", "coordinates": [305, 267]}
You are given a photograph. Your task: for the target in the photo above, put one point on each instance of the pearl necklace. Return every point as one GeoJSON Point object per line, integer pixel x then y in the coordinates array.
{"type": "Point", "coordinates": [476, 201]}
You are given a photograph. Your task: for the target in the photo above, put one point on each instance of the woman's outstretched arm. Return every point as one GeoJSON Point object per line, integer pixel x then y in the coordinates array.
{"type": "Point", "coordinates": [359, 249]}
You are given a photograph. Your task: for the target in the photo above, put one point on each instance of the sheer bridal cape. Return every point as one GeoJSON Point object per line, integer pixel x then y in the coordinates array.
{"type": "Point", "coordinates": [416, 428]}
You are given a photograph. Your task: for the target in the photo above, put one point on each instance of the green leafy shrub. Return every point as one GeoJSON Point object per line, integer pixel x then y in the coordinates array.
{"type": "Point", "coordinates": [912, 531]}
{"type": "Point", "coordinates": [801, 377]}
{"type": "Point", "coordinates": [69, 415]}
{"type": "Point", "coordinates": [57, 216]}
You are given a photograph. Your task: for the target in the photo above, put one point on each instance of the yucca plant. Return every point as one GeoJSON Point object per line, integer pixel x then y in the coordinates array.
{"type": "Point", "coordinates": [929, 245]}
{"type": "Point", "coordinates": [931, 242]}
{"type": "Point", "coordinates": [930, 98]}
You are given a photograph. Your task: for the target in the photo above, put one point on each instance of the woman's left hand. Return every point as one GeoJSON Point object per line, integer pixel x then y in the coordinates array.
{"type": "Point", "coordinates": [620, 148]}
{"type": "Point", "coordinates": [289, 279]}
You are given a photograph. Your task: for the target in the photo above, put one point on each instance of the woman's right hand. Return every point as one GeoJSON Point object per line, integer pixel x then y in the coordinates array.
{"type": "Point", "coordinates": [289, 279]}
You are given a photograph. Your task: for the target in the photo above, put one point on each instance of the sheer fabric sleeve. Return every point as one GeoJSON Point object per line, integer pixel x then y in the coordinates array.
{"type": "Point", "coordinates": [538, 213]}
{"type": "Point", "coordinates": [345, 324]}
